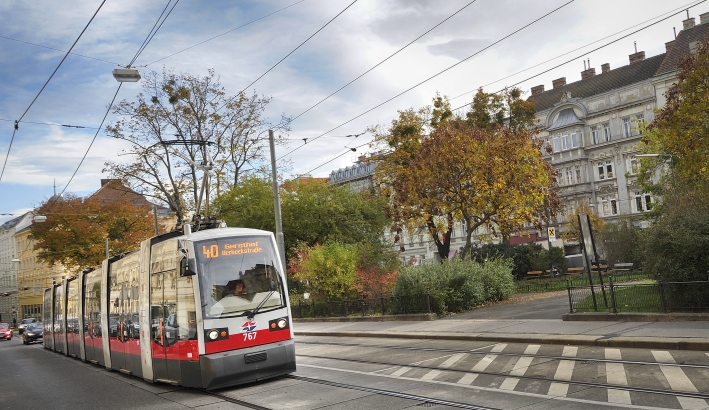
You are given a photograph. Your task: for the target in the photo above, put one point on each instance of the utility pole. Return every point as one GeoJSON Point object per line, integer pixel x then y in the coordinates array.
{"type": "Point", "coordinates": [277, 202]}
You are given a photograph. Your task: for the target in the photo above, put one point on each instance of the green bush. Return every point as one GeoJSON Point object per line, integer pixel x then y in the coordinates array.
{"type": "Point", "coordinates": [457, 285]}
{"type": "Point", "coordinates": [525, 258]}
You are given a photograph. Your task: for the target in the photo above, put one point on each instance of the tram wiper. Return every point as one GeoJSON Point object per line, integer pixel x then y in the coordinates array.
{"type": "Point", "coordinates": [250, 314]}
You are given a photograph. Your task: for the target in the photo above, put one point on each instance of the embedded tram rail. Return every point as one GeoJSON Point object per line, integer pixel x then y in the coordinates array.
{"type": "Point", "coordinates": [547, 359]}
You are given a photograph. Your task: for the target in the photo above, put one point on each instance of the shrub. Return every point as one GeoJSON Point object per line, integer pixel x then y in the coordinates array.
{"type": "Point", "coordinates": [457, 285]}
{"type": "Point", "coordinates": [524, 258]}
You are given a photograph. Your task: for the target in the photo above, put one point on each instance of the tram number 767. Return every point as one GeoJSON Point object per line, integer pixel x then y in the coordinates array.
{"type": "Point", "coordinates": [249, 336]}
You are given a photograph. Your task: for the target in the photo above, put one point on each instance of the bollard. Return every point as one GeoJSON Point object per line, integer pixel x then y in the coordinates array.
{"type": "Point", "coordinates": [344, 302]}
{"type": "Point", "coordinates": [381, 296]}
{"type": "Point", "coordinates": [428, 300]}
{"type": "Point", "coordinates": [612, 286]}
{"type": "Point", "coordinates": [362, 301]}
{"type": "Point", "coordinates": [571, 304]}
{"type": "Point", "coordinates": [662, 293]}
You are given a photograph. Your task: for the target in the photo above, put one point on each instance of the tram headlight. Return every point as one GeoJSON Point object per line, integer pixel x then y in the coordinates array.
{"type": "Point", "coordinates": [213, 334]}
{"type": "Point", "coordinates": [282, 323]}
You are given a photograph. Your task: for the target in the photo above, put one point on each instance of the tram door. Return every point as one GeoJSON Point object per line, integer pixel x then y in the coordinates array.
{"type": "Point", "coordinates": [58, 332]}
{"type": "Point", "coordinates": [163, 323]}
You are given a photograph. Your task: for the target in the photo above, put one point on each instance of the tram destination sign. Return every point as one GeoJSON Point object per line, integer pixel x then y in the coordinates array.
{"type": "Point", "coordinates": [230, 249]}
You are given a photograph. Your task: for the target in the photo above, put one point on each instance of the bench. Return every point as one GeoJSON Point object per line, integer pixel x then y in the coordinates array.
{"type": "Point", "coordinates": [623, 266]}
{"type": "Point", "coordinates": [573, 271]}
{"type": "Point", "coordinates": [533, 274]}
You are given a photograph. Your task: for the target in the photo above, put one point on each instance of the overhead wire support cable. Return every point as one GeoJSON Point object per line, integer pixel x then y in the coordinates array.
{"type": "Point", "coordinates": [56, 49]}
{"type": "Point", "coordinates": [383, 61]}
{"type": "Point", "coordinates": [154, 31]}
{"type": "Point", "coordinates": [14, 131]}
{"type": "Point", "coordinates": [689, 5]}
{"type": "Point", "coordinates": [224, 33]}
{"type": "Point", "coordinates": [295, 49]}
{"type": "Point", "coordinates": [595, 49]}
{"type": "Point", "coordinates": [435, 75]}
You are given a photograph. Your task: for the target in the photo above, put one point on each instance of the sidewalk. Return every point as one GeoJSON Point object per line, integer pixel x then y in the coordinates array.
{"type": "Point", "coordinates": [510, 328]}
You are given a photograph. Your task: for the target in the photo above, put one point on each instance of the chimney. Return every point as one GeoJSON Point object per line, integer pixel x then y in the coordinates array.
{"type": "Point", "coordinates": [588, 73]}
{"type": "Point", "coordinates": [559, 82]}
{"type": "Point", "coordinates": [689, 23]}
{"type": "Point", "coordinates": [704, 18]}
{"type": "Point", "coordinates": [637, 57]}
{"type": "Point", "coordinates": [538, 89]}
{"type": "Point", "coordinates": [605, 68]}
{"type": "Point", "coordinates": [668, 46]}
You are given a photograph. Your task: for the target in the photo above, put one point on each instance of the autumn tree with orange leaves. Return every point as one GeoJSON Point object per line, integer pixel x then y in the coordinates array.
{"type": "Point", "coordinates": [75, 230]}
{"type": "Point", "coordinates": [492, 176]}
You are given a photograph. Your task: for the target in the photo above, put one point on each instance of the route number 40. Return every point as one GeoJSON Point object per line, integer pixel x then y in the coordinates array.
{"type": "Point", "coordinates": [249, 336]}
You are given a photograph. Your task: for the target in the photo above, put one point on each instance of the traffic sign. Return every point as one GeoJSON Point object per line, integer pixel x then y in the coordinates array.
{"type": "Point", "coordinates": [551, 233]}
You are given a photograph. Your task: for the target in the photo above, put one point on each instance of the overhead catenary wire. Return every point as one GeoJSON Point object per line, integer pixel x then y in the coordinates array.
{"type": "Point", "coordinates": [14, 131]}
{"type": "Point", "coordinates": [224, 33]}
{"type": "Point", "coordinates": [154, 30]}
{"type": "Point", "coordinates": [288, 55]}
{"type": "Point", "coordinates": [384, 60]}
{"type": "Point", "coordinates": [591, 51]}
{"type": "Point", "coordinates": [56, 49]}
{"type": "Point", "coordinates": [433, 76]}
{"type": "Point", "coordinates": [689, 5]}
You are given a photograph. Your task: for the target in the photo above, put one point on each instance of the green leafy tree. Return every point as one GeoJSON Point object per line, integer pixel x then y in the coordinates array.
{"type": "Point", "coordinates": [681, 130]}
{"type": "Point", "coordinates": [572, 230]}
{"type": "Point", "coordinates": [312, 211]}
{"type": "Point", "coordinates": [621, 242]}
{"type": "Point", "coordinates": [507, 109]}
{"type": "Point", "coordinates": [328, 270]}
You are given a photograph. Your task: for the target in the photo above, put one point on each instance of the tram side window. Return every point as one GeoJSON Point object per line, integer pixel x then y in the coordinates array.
{"type": "Point", "coordinates": [92, 304]}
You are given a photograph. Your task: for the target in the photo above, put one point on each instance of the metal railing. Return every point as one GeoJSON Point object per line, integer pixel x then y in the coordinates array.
{"type": "Point", "coordinates": [383, 305]}
{"type": "Point", "coordinates": [560, 283]}
{"type": "Point", "coordinates": [659, 296]}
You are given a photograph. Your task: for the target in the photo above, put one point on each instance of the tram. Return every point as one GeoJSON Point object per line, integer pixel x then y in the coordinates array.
{"type": "Point", "coordinates": [205, 309]}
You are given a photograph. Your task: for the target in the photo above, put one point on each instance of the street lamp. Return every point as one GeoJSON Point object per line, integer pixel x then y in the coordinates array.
{"type": "Point", "coordinates": [126, 75]}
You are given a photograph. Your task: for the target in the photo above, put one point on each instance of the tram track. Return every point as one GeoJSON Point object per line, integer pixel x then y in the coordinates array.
{"type": "Point", "coordinates": [232, 400]}
{"type": "Point", "coordinates": [536, 356]}
{"type": "Point", "coordinates": [676, 393]}
{"type": "Point", "coordinates": [426, 401]}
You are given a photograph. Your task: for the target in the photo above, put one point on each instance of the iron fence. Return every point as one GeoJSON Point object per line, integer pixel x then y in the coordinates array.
{"type": "Point", "coordinates": [383, 305]}
{"type": "Point", "coordinates": [560, 283]}
{"type": "Point", "coordinates": [659, 296]}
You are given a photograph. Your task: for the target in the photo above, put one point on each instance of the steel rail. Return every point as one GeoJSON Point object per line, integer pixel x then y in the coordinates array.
{"type": "Point", "coordinates": [425, 400]}
{"type": "Point", "coordinates": [536, 378]}
{"type": "Point", "coordinates": [232, 400]}
{"type": "Point", "coordinates": [540, 356]}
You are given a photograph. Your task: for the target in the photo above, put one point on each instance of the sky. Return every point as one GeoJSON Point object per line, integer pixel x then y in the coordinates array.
{"type": "Point", "coordinates": [366, 33]}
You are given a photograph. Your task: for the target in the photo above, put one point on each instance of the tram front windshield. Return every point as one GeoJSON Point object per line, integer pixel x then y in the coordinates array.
{"type": "Point", "coordinates": [238, 276]}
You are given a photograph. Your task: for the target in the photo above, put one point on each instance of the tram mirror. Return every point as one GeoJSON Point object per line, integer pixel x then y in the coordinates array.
{"type": "Point", "coordinates": [187, 267]}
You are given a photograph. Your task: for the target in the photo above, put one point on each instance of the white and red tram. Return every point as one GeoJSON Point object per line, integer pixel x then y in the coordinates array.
{"type": "Point", "coordinates": [204, 309]}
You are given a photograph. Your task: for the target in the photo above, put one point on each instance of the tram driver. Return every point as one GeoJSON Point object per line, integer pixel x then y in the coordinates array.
{"type": "Point", "coordinates": [235, 288]}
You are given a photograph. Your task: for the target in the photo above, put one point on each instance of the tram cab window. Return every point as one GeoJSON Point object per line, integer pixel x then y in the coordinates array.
{"type": "Point", "coordinates": [237, 275]}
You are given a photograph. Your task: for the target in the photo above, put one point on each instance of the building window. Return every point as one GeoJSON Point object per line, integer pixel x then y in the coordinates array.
{"type": "Point", "coordinates": [626, 127]}
{"type": "Point", "coordinates": [633, 165]}
{"type": "Point", "coordinates": [643, 202]}
{"type": "Point", "coordinates": [564, 141]}
{"type": "Point", "coordinates": [569, 176]}
{"type": "Point", "coordinates": [557, 147]}
{"type": "Point", "coordinates": [609, 205]}
{"type": "Point", "coordinates": [574, 140]}
{"type": "Point", "coordinates": [577, 168]}
{"type": "Point", "coordinates": [605, 169]}
{"type": "Point", "coordinates": [607, 132]}
{"type": "Point", "coordinates": [639, 119]}
{"type": "Point", "coordinates": [594, 135]}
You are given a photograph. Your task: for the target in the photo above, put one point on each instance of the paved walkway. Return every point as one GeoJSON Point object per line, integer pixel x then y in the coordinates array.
{"type": "Point", "coordinates": [527, 320]}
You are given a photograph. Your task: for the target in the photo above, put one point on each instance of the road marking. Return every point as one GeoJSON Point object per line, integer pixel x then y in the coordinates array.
{"type": "Point", "coordinates": [520, 368]}
{"type": "Point", "coordinates": [401, 371]}
{"type": "Point", "coordinates": [448, 363]}
{"type": "Point", "coordinates": [469, 378]}
{"type": "Point", "coordinates": [615, 374]}
{"type": "Point", "coordinates": [678, 381]}
{"type": "Point", "coordinates": [563, 372]}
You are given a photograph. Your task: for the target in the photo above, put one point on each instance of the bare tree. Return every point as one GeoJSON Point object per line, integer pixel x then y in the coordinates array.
{"type": "Point", "coordinates": [181, 121]}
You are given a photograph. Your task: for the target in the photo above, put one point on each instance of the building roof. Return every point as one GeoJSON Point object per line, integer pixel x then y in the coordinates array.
{"type": "Point", "coordinates": [12, 222]}
{"type": "Point", "coordinates": [601, 83]}
{"type": "Point", "coordinates": [566, 117]}
{"type": "Point", "coordinates": [113, 190]}
{"type": "Point", "coordinates": [681, 47]}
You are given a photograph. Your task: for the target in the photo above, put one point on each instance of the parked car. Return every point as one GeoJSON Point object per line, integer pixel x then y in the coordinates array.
{"type": "Point", "coordinates": [5, 331]}
{"type": "Point", "coordinates": [33, 333]}
{"type": "Point", "coordinates": [24, 323]}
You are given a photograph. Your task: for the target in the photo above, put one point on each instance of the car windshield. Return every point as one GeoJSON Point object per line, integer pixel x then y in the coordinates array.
{"type": "Point", "coordinates": [4, 326]}
{"type": "Point", "coordinates": [26, 321]}
{"type": "Point", "coordinates": [35, 327]}
{"type": "Point", "coordinates": [237, 275]}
